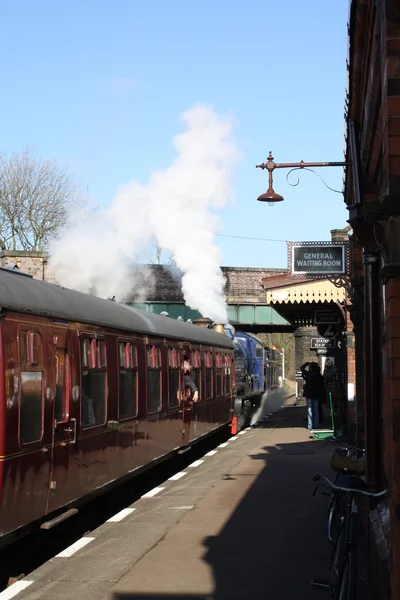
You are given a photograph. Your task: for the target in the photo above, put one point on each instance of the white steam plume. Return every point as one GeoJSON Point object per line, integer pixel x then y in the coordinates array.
{"type": "Point", "coordinates": [175, 208]}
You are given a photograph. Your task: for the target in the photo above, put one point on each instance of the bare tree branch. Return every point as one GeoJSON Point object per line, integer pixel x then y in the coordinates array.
{"type": "Point", "coordinates": [156, 259]}
{"type": "Point", "coordinates": [158, 256]}
{"type": "Point", "coordinates": [35, 199]}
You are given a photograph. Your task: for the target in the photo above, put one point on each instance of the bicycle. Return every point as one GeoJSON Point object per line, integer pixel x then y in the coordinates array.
{"type": "Point", "coordinates": [346, 460]}
{"type": "Point", "coordinates": [343, 563]}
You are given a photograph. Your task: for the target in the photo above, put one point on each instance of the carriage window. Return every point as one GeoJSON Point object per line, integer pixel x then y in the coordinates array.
{"type": "Point", "coordinates": [153, 379]}
{"type": "Point", "coordinates": [31, 407]}
{"type": "Point", "coordinates": [209, 384]}
{"type": "Point", "coordinates": [102, 353]}
{"type": "Point", "coordinates": [88, 353]}
{"type": "Point", "coordinates": [228, 381]}
{"type": "Point", "coordinates": [62, 385]}
{"type": "Point", "coordinates": [259, 351]}
{"type": "Point", "coordinates": [93, 382]}
{"type": "Point", "coordinates": [196, 370]}
{"type": "Point", "coordinates": [218, 373]}
{"type": "Point", "coordinates": [30, 348]}
{"type": "Point", "coordinates": [23, 355]}
{"type": "Point", "coordinates": [127, 380]}
{"type": "Point", "coordinates": [174, 377]}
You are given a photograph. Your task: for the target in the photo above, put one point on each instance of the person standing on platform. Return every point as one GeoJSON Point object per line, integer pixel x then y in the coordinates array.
{"type": "Point", "coordinates": [314, 392]}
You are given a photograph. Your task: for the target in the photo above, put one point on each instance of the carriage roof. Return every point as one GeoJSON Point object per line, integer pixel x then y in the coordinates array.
{"type": "Point", "coordinates": [21, 293]}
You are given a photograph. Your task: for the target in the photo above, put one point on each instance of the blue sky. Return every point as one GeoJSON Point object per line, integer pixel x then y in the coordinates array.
{"type": "Point", "coordinates": [100, 85]}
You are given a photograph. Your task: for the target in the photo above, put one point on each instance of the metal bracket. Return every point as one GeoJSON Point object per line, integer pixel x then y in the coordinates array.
{"type": "Point", "coordinates": [342, 282]}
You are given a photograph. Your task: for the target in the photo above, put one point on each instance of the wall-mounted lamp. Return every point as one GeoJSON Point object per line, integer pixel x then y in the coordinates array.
{"type": "Point", "coordinates": [271, 196]}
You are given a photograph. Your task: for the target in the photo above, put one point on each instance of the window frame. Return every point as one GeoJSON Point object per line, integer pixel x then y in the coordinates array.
{"type": "Point", "coordinates": [219, 373]}
{"type": "Point", "coordinates": [196, 363]}
{"type": "Point", "coordinates": [30, 330]}
{"type": "Point", "coordinates": [133, 367]}
{"type": "Point", "coordinates": [157, 347]}
{"type": "Point", "coordinates": [30, 367]}
{"type": "Point", "coordinates": [66, 384]}
{"type": "Point", "coordinates": [94, 365]}
{"type": "Point", "coordinates": [176, 368]}
{"type": "Point", "coordinates": [208, 366]}
{"type": "Point", "coordinates": [228, 363]}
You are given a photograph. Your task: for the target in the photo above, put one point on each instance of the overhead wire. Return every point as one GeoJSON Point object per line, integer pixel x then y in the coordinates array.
{"type": "Point", "coordinates": [244, 237]}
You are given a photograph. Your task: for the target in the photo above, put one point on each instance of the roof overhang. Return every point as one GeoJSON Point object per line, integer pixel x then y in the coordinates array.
{"type": "Point", "coordinates": [320, 291]}
{"type": "Point", "coordinates": [298, 301]}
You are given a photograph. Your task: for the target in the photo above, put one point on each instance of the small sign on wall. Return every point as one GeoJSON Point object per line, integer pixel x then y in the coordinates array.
{"type": "Point", "coordinates": [317, 343]}
{"type": "Point", "coordinates": [326, 317]}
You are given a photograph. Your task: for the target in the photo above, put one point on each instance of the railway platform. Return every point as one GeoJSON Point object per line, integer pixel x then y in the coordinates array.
{"type": "Point", "coordinates": [239, 523]}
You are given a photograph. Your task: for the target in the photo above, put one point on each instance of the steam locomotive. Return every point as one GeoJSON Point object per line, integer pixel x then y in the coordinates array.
{"type": "Point", "coordinates": [257, 369]}
{"type": "Point", "coordinates": [91, 393]}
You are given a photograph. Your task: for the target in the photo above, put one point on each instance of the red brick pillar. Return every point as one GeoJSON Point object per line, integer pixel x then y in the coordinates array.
{"type": "Point", "coordinates": [390, 113]}
{"type": "Point", "coordinates": [390, 108]}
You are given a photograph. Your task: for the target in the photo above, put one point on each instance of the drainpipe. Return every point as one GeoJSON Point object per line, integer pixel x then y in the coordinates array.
{"type": "Point", "coordinates": [372, 370]}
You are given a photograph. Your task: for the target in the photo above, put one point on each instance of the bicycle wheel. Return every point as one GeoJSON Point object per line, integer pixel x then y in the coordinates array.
{"type": "Point", "coordinates": [338, 552]}
{"type": "Point", "coordinates": [333, 518]}
{"type": "Point", "coordinates": [346, 585]}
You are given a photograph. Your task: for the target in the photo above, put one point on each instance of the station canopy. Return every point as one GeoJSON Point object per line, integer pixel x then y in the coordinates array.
{"type": "Point", "coordinates": [297, 298]}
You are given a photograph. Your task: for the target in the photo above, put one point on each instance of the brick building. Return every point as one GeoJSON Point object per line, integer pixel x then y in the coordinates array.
{"type": "Point", "coordinates": [372, 195]}
{"type": "Point", "coordinates": [243, 284]}
{"type": "Point", "coordinates": [34, 263]}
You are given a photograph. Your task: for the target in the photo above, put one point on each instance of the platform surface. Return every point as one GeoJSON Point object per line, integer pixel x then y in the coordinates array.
{"type": "Point", "coordinates": [241, 523]}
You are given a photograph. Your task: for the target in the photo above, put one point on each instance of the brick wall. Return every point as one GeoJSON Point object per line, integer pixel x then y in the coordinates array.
{"type": "Point", "coordinates": [242, 284]}
{"type": "Point", "coordinates": [390, 60]}
{"type": "Point", "coordinates": [163, 282]}
{"type": "Point", "coordinates": [245, 284]}
{"type": "Point", "coordinates": [34, 263]}
{"type": "Point", "coordinates": [374, 108]}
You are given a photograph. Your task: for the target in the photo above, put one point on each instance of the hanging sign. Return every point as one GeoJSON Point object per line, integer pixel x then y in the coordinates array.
{"type": "Point", "coordinates": [318, 259]}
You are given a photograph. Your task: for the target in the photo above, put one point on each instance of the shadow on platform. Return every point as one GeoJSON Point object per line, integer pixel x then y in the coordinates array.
{"type": "Point", "coordinates": [275, 542]}
{"type": "Point", "coordinates": [291, 416]}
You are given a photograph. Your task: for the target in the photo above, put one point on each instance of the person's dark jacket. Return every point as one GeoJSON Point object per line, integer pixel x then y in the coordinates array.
{"type": "Point", "coordinates": [314, 387]}
{"type": "Point", "coordinates": [189, 383]}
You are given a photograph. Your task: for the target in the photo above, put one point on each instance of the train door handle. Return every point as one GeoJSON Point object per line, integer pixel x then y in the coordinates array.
{"type": "Point", "coordinates": [72, 430]}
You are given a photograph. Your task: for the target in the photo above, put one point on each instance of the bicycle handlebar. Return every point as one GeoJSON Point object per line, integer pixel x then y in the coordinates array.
{"type": "Point", "coordinates": [332, 438]}
{"type": "Point", "coordinates": [380, 494]}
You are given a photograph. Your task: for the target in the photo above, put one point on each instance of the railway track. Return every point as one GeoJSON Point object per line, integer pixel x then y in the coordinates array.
{"type": "Point", "coordinates": [31, 551]}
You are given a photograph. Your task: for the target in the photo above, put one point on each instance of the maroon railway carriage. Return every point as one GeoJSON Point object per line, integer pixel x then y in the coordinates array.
{"type": "Point", "coordinates": [90, 392]}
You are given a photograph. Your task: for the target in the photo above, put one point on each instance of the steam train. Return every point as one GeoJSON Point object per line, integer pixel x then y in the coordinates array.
{"type": "Point", "coordinates": [91, 393]}
{"type": "Point", "coordinates": [257, 369]}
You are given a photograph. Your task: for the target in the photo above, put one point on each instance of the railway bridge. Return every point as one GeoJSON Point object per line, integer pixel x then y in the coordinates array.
{"type": "Point", "coordinates": [259, 300]}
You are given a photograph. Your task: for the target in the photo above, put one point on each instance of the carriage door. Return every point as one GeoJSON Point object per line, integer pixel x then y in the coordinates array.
{"type": "Point", "coordinates": [186, 401]}
{"type": "Point", "coordinates": [64, 426]}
